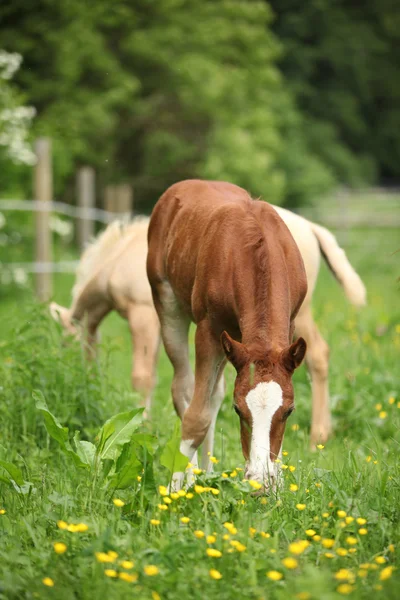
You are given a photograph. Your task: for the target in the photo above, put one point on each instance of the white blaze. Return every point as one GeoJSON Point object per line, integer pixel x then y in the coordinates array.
{"type": "Point", "coordinates": [263, 402]}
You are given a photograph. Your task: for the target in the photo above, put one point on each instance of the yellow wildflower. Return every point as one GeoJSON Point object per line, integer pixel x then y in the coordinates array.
{"type": "Point", "coordinates": [213, 553]}
{"type": "Point", "coordinates": [139, 478]}
{"type": "Point", "coordinates": [368, 459]}
{"type": "Point", "coordinates": [380, 560]}
{"type": "Point", "coordinates": [351, 540]}
{"type": "Point", "coordinates": [162, 506]}
{"type": "Point", "coordinates": [151, 570]}
{"type": "Point", "coordinates": [199, 534]}
{"type": "Point", "coordinates": [234, 473]}
{"type": "Point", "coordinates": [81, 527]}
{"type": "Point", "coordinates": [391, 547]}
{"type": "Point", "coordinates": [329, 555]}
{"type": "Point", "coordinates": [317, 538]}
{"type": "Point", "coordinates": [129, 577]}
{"type": "Point", "coordinates": [310, 532]}
{"type": "Point", "coordinates": [343, 575]}
{"type": "Point", "coordinates": [214, 460]}
{"type": "Point", "coordinates": [274, 575]}
{"type": "Point", "coordinates": [292, 468]}
{"type": "Point", "coordinates": [214, 574]}
{"type": "Point", "coordinates": [300, 506]}
{"type": "Point", "coordinates": [197, 471]}
{"type": "Point", "coordinates": [349, 520]}
{"type": "Point", "coordinates": [320, 446]}
{"type": "Point", "coordinates": [363, 531]}
{"type": "Point", "coordinates": [154, 522]}
{"type": "Point", "coordinates": [386, 573]}
{"type": "Point", "coordinates": [231, 528]}
{"type": "Point", "coordinates": [362, 573]}
{"type": "Point", "coordinates": [211, 539]}
{"type": "Point", "coordinates": [103, 557]}
{"type": "Point", "coordinates": [252, 531]}
{"type": "Point", "coordinates": [199, 489]}
{"type": "Point", "coordinates": [293, 487]}
{"type": "Point", "coordinates": [290, 563]}
{"type": "Point", "coordinates": [341, 551]}
{"type": "Point", "coordinates": [295, 427]}
{"type": "Point", "coordinates": [392, 400]}
{"type": "Point", "coordinates": [62, 524]}
{"type": "Point", "coordinates": [361, 521]}
{"type": "Point", "coordinates": [265, 535]}
{"type": "Point", "coordinates": [174, 495]}
{"type": "Point", "coordinates": [383, 414]}
{"type": "Point", "coordinates": [59, 547]}
{"type": "Point", "coordinates": [181, 493]}
{"type": "Point", "coordinates": [113, 555]}
{"type": "Point", "coordinates": [345, 589]}
{"type": "Point", "coordinates": [325, 515]}
{"type": "Point", "coordinates": [127, 564]}
{"type": "Point", "coordinates": [285, 453]}
{"type": "Point", "coordinates": [352, 550]}
{"type": "Point", "coordinates": [378, 406]}
{"type": "Point", "coordinates": [185, 520]}
{"type": "Point", "coordinates": [298, 547]}
{"type": "Point", "coordinates": [225, 475]}
{"type": "Point", "coordinates": [110, 573]}
{"type": "Point", "coordinates": [303, 596]}
{"type": "Point", "coordinates": [255, 484]}
{"type": "Point", "coordinates": [155, 596]}
{"type": "Point", "coordinates": [189, 496]}
{"type": "Point", "coordinates": [119, 503]}
{"type": "Point", "coordinates": [163, 490]}
{"type": "Point", "coordinates": [214, 491]}
{"type": "Point", "coordinates": [167, 500]}
{"type": "Point", "coordinates": [284, 467]}
{"type": "Point", "coordinates": [48, 581]}
{"type": "Point", "coordinates": [341, 514]}
{"type": "Point", "coordinates": [317, 484]}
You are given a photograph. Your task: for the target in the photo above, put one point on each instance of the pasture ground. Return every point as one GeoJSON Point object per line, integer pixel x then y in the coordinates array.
{"type": "Point", "coordinates": [357, 471]}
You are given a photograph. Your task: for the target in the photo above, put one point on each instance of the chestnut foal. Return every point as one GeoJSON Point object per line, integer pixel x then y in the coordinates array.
{"type": "Point", "coordinates": [230, 264]}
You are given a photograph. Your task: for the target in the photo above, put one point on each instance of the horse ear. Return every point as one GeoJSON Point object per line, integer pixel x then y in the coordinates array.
{"type": "Point", "coordinates": [235, 352]}
{"type": "Point", "coordinates": [293, 356]}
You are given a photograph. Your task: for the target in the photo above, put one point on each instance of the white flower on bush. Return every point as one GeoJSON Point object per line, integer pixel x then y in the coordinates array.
{"type": "Point", "coordinates": [15, 120]}
{"type": "Point", "coordinates": [20, 276]}
{"type": "Point", "coordinates": [63, 228]}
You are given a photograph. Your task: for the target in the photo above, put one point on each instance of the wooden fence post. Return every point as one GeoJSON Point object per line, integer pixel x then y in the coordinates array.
{"type": "Point", "coordinates": [110, 199]}
{"type": "Point", "coordinates": [43, 191]}
{"type": "Point", "coordinates": [86, 200]}
{"type": "Point", "coordinates": [124, 200]}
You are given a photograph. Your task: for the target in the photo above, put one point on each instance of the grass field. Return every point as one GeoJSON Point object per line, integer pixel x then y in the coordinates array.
{"type": "Point", "coordinates": [332, 530]}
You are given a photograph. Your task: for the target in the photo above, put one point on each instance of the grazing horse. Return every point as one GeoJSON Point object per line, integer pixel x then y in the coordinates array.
{"type": "Point", "coordinates": [115, 263]}
{"type": "Point", "coordinates": [228, 263]}
{"type": "Point", "coordinates": [112, 276]}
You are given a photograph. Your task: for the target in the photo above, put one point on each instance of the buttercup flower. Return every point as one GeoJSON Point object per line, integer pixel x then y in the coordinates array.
{"type": "Point", "coordinates": [380, 560]}
{"type": "Point", "coordinates": [214, 574]}
{"type": "Point", "coordinates": [59, 547]}
{"type": "Point", "coordinates": [167, 500]}
{"type": "Point", "coordinates": [363, 531]}
{"type": "Point", "coordinates": [2, 511]}
{"type": "Point", "coordinates": [211, 539]}
{"type": "Point", "coordinates": [349, 520]}
{"type": "Point", "coordinates": [361, 521]}
{"type": "Point", "coordinates": [119, 503]}
{"type": "Point", "coordinates": [110, 573]}
{"type": "Point", "coordinates": [189, 496]}
{"type": "Point", "coordinates": [174, 495]}
{"type": "Point", "coordinates": [351, 540]}
{"type": "Point", "coordinates": [293, 487]}
{"type": "Point", "coordinates": [292, 468]}
{"type": "Point", "coordinates": [274, 575]}
{"type": "Point", "coordinates": [185, 520]}
{"type": "Point", "coordinates": [214, 460]}
{"type": "Point", "coordinates": [103, 557]}
{"type": "Point", "coordinates": [154, 522]}
{"type": "Point", "coordinates": [345, 589]}
{"type": "Point", "coordinates": [300, 506]}
{"type": "Point", "coordinates": [310, 532]}
{"type": "Point", "coordinates": [255, 484]}
{"type": "Point", "coordinates": [231, 528]}
{"type": "Point", "coordinates": [290, 563]}
{"type": "Point", "coordinates": [127, 564]}
{"type": "Point", "coordinates": [341, 514]}
{"type": "Point", "coordinates": [343, 575]}
{"type": "Point", "coordinates": [162, 506]}
{"type": "Point", "coordinates": [329, 555]}
{"type": "Point", "coordinates": [199, 534]}
{"type": "Point", "coordinates": [48, 581]}
{"type": "Point", "coordinates": [213, 553]}
{"type": "Point", "coordinates": [163, 490]}
{"type": "Point", "coordinates": [151, 570]}
{"type": "Point", "coordinates": [298, 547]}
{"type": "Point", "coordinates": [386, 573]}
{"type": "Point", "coordinates": [62, 524]}
{"type": "Point", "coordinates": [327, 543]}
{"type": "Point", "coordinates": [129, 577]}
{"type": "Point", "coordinates": [320, 446]}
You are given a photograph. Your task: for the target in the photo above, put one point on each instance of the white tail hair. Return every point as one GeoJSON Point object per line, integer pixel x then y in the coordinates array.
{"type": "Point", "coordinates": [339, 264]}
{"type": "Point", "coordinates": [100, 249]}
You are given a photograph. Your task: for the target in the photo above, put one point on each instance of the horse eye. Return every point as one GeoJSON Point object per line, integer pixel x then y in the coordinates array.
{"type": "Point", "coordinates": [288, 412]}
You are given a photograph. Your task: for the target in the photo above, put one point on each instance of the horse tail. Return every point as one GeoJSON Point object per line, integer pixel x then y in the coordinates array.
{"type": "Point", "coordinates": [340, 266]}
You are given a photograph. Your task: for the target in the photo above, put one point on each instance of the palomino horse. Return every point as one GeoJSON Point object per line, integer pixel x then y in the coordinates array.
{"type": "Point", "coordinates": [229, 264]}
{"type": "Point", "coordinates": [113, 270]}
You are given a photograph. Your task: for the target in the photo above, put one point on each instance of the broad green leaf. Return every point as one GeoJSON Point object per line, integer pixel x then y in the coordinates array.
{"type": "Point", "coordinates": [146, 441]}
{"type": "Point", "coordinates": [56, 430]}
{"type": "Point", "coordinates": [85, 450]}
{"type": "Point", "coordinates": [128, 473]}
{"type": "Point", "coordinates": [171, 457]}
{"type": "Point", "coordinates": [14, 472]}
{"type": "Point", "coordinates": [117, 431]}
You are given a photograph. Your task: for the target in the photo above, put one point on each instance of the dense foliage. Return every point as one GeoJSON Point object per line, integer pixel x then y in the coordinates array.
{"type": "Point", "coordinates": [152, 92]}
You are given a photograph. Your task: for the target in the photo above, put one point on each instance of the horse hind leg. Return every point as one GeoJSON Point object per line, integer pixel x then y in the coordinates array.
{"type": "Point", "coordinates": [317, 360]}
{"type": "Point", "coordinates": [145, 332]}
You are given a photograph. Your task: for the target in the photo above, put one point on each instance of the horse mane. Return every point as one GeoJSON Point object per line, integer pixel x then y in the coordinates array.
{"type": "Point", "coordinates": [255, 240]}
{"type": "Point", "coordinates": [101, 248]}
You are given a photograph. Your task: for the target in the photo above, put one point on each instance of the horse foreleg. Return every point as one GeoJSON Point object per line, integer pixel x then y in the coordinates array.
{"type": "Point", "coordinates": [215, 404]}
